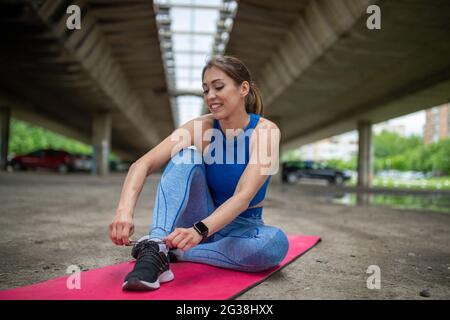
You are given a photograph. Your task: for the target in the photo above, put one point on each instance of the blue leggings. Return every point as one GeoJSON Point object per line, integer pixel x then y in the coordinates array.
{"type": "Point", "coordinates": [183, 198]}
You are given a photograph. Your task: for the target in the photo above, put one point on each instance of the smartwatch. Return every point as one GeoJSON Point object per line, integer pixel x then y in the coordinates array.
{"type": "Point", "coordinates": [201, 228]}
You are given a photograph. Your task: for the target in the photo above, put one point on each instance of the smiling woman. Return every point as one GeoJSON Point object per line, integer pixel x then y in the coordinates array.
{"type": "Point", "coordinates": [207, 211]}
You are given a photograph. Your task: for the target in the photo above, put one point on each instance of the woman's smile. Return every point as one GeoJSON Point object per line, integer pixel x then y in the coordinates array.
{"type": "Point", "coordinates": [215, 107]}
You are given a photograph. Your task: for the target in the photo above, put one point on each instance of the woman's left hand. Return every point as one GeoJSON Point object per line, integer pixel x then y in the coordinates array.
{"type": "Point", "coordinates": [183, 238]}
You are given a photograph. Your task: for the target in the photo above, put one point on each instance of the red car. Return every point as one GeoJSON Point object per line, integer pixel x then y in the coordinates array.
{"type": "Point", "coordinates": [49, 159]}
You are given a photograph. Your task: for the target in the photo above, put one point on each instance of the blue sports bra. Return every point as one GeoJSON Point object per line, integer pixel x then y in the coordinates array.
{"type": "Point", "coordinates": [223, 177]}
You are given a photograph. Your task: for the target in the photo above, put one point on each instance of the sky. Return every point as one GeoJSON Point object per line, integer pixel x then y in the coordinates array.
{"type": "Point", "coordinates": [193, 31]}
{"type": "Point", "coordinates": [413, 123]}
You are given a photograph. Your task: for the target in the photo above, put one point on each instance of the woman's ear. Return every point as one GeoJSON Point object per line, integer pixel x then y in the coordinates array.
{"type": "Point", "coordinates": [245, 88]}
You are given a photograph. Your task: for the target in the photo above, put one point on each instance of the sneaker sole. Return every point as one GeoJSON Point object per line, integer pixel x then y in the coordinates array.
{"type": "Point", "coordinates": [134, 284]}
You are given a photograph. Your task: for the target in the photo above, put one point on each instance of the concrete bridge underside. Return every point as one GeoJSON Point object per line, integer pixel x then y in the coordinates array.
{"type": "Point", "coordinates": [322, 71]}
{"type": "Point", "coordinates": [109, 73]}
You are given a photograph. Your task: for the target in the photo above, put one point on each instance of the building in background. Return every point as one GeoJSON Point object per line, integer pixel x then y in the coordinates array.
{"type": "Point", "coordinates": [437, 124]}
{"type": "Point", "coordinates": [398, 128]}
{"type": "Point", "coordinates": [344, 147]}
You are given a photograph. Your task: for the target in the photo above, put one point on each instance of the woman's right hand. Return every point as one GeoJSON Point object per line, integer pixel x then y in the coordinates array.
{"type": "Point", "coordinates": [121, 228]}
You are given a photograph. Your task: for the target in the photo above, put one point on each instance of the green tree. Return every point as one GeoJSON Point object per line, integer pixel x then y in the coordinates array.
{"type": "Point", "coordinates": [290, 155]}
{"type": "Point", "coordinates": [389, 144]}
{"type": "Point", "coordinates": [439, 158]}
{"type": "Point", "coordinates": [25, 138]}
{"type": "Point", "coordinates": [341, 164]}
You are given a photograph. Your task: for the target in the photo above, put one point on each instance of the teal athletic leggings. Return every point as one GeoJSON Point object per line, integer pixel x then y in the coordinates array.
{"type": "Point", "coordinates": [183, 198]}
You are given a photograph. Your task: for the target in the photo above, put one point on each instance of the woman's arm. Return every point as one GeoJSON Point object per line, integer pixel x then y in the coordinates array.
{"type": "Point", "coordinates": [264, 152]}
{"type": "Point", "coordinates": [122, 226]}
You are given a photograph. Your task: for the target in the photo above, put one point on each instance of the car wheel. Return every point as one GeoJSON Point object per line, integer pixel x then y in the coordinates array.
{"type": "Point", "coordinates": [63, 168]}
{"type": "Point", "coordinates": [338, 180]}
{"type": "Point", "coordinates": [17, 166]}
{"type": "Point", "coordinates": [292, 178]}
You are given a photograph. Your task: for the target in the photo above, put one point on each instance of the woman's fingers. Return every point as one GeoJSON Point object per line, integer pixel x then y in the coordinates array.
{"type": "Point", "coordinates": [113, 233]}
{"type": "Point", "coordinates": [183, 243]}
{"type": "Point", "coordinates": [178, 239]}
{"type": "Point", "coordinates": [170, 237]}
{"type": "Point", "coordinates": [119, 234]}
{"type": "Point", "coordinates": [120, 230]}
{"type": "Point", "coordinates": [125, 234]}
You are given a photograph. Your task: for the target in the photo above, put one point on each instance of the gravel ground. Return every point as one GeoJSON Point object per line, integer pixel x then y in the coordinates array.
{"type": "Point", "coordinates": [50, 221]}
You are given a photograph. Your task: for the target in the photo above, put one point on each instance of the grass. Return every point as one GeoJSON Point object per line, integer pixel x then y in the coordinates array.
{"type": "Point", "coordinates": [441, 183]}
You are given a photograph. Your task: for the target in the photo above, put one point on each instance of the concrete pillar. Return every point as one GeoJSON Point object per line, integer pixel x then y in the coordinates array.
{"type": "Point", "coordinates": [5, 118]}
{"type": "Point", "coordinates": [365, 154]}
{"type": "Point", "coordinates": [101, 140]}
{"type": "Point", "coordinates": [363, 199]}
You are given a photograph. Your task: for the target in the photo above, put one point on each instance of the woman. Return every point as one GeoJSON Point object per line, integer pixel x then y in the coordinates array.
{"type": "Point", "coordinates": [209, 201]}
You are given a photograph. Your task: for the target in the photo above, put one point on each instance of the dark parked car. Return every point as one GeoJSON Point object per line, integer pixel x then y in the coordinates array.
{"type": "Point", "coordinates": [293, 171]}
{"type": "Point", "coordinates": [47, 158]}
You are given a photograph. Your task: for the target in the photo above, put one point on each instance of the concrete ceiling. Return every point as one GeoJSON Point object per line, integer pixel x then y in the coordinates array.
{"type": "Point", "coordinates": [60, 78]}
{"type": "Point", "coordinates": [321, 70]}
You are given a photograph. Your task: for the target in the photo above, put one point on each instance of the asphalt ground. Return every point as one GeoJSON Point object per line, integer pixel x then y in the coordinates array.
{"type": "Point", "coordinates": [50, 221]}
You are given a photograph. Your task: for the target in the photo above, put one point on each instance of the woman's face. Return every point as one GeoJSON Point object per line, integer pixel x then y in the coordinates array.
{"type": "Point", "coordinates": [221, 94]}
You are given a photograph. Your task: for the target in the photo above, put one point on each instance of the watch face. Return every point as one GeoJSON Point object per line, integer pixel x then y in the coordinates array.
{"type": "Point", "coordinates": [201, 227]}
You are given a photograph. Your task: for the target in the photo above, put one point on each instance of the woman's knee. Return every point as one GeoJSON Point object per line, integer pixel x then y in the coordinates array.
{"type": "Point", "coordinates": [187, 156]}
{"type": "Point", "coordinates": [183, 162]}
{"type": "Point", "coordinates": [271, 248]}
{"type": "Point", "coordinates": [275, 247]}
{"type": "Point", "coordinates": [280, 246]}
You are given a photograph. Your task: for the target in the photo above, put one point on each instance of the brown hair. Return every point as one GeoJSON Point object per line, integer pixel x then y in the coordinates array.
{"type": "Point", "coordinates": [237, 71]}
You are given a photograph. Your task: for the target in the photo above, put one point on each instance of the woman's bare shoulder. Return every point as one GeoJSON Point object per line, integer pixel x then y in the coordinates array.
{"type": "Point", "coordinates": [265, 123]}
{"type": "Point", "coordinates": [205, 121]}
{"type": "Point", "coordinates": [208, 118]}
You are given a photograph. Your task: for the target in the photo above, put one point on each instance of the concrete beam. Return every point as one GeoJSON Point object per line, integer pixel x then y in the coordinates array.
{"type": "Point", "coordinates": [89, 48]}
{"type": "Point", "coordinates": [179, 93]}
{"type": "Point", "coordinates": [321, 25]}
{"type": "Point", "coordinates": [402, 103]}
{"type": "Point", "coordinates": [23, 110]}
{"type": "Point", "coordinates": [101, 141]}
{"type": "Point", "coordinates": [326, 71]}
{"type": "Point", "coordinates": [5, 118]}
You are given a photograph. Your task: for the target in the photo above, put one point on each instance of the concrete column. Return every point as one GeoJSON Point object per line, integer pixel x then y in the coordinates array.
{"type": "Point", "coordinates": [101, 140]}
{"type": "Point", "coordinates": [5, 118]}
{"type": "Point", "coordinates": [365, 154]}
{"type": "Point", "coordinates": [363, 199]}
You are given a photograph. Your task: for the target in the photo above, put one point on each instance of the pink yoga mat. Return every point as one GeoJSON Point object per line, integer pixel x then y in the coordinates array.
{"type": "Point", "coordinates": [201, 282]}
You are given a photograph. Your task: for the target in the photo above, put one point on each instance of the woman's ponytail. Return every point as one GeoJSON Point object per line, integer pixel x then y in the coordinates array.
{"type": "Point", "coordinates": [253, 101]}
